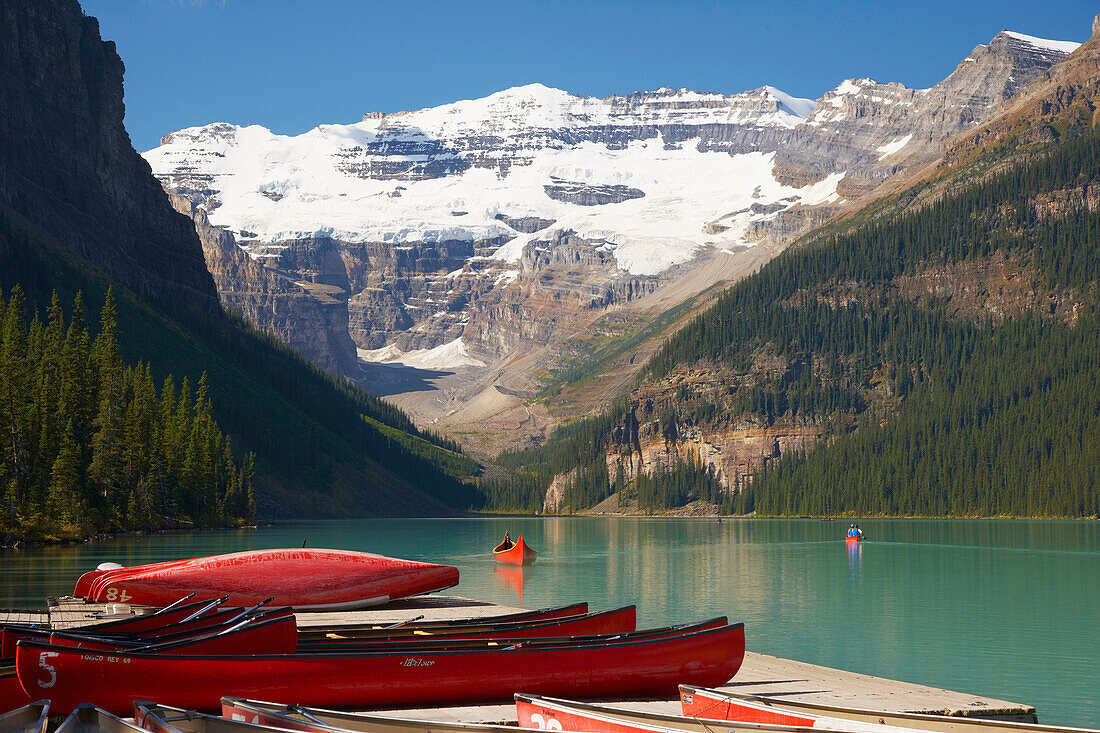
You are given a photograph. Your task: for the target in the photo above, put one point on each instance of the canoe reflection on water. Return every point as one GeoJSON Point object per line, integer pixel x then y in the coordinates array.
{"type": "Point", "coordinates": [855, 554]}
{"type": "Point", "coordinates": [511, 577]}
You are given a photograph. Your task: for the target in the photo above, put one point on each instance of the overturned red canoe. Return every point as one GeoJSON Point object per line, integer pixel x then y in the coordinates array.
{"type": "Point", "coordinates": [397, 677]}
{"type": "Point", "coordinates": [303, 578]}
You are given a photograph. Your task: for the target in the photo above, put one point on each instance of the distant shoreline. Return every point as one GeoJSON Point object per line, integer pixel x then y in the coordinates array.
{"type": "Point", "coordinates": [19, 544]}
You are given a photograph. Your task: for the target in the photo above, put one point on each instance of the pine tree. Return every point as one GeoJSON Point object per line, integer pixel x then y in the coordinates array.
{"type": "Point", "coordinates": [14, 404]}
{"type": "Point", "coordinates": [65, 495]}
{"type": "Point", "coordinates": [106, 470]}
{"type": "Point", "coordinates": [48, 391]}
{"type": "Point", "coordinates": [77, 396]}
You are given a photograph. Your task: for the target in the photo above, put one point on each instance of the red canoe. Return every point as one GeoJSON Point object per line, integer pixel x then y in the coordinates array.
{"type": "Point", "coordinates": [169, 616]}
{"type": "Point", "coordinates": [207, 623]}
{"type": "Point", "coordinates": [517, 553]}
{"type": "Point", "coordinates": [303, 578]}
{"type": "Point", "coordinates": [83, 586]}
{"type": "Point", "coordinates": [393, 678]}
{"type": "Point", "coordinates": [275, 633]}
{"type": "Point", "coordinates": [838, 717]}
{"type": "Point", "coordinates": [554, 714]}
{"type": "Point", "coordinates": [548, 713]}
{"type": "Point", "coordinates": [11, 692]}
{"type": "Point", "coordinates": [700, 703]}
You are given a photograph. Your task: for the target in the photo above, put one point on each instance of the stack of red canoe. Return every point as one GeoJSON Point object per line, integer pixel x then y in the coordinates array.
{"type": "Point", "coordinates": [211, 627]}
{"type": "Point", "coordinates": [355, 666]}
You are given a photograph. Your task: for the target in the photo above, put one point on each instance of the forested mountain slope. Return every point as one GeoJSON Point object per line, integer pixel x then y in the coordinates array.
{"type": "Point", "coordinates": [81, 212]}
{"type": "Point", "coordinates": [939, 360]}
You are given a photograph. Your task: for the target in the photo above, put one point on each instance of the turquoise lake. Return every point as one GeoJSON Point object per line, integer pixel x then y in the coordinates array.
{"type": "Point", "coordinates": [1008, 609]}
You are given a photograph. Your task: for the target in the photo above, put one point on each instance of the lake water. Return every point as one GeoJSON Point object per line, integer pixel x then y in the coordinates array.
{"type": "Point", "coordinates": [1008, 609]}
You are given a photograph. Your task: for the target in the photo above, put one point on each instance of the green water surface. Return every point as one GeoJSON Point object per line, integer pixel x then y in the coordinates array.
{"type": "Point", "coordinates": [1007, 609]}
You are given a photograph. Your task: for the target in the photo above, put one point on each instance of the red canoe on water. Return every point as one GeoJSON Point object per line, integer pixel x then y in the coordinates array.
{"type": "Point", "coordinates": [516, 553]}
{"type": "Point", "coordinates": [599, 667]}
{"type": "Point", "coordinates": [302, 578]}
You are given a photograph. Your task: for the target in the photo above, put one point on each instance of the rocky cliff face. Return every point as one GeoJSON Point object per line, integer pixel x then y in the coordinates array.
{"type": "Point", "coordinates": [67, 164]}
{"type": "Point", "coordinates": [689, 415]}
{"type": "Point", "coordinates": [309, 316]}
{"type": "Point", "coordinates": [501, 222]}
{"type": "Point", "coordinates": [1066, 96]}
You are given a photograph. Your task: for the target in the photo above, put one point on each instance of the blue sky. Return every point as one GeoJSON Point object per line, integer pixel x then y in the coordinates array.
{"type": "Point", "coordinates": [291, 65]}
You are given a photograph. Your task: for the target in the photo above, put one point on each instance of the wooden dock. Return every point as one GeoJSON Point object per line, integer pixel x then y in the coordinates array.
{"type": "Point", "coordinates": [761, 674]}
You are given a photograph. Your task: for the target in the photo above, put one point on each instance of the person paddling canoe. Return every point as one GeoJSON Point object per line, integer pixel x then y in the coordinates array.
{"type": "Point", "coordinates": [506, 543]}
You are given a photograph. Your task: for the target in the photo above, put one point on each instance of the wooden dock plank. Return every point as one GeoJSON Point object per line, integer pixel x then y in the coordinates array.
{"type": "Point", "coordinates": [16, 616]}
{"type": "Point", "coordinates": [432, 608]}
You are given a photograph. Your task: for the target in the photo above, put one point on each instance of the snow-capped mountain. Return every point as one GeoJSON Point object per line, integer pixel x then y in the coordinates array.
{"type": "Point", "coordinates": [639, 172]}
{"type": "Point", "coordinates": [501, 220]}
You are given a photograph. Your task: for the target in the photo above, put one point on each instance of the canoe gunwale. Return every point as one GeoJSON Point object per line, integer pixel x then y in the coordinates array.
{"type": "Point", "coordinates": [929, 721]}
{"type": "Point", "coordinates": [26, 712]}
{"type": "Point", "coordinates": [164, 716]}
{"type": "Point", "coordinates": [283, 712]}
{"type": "Point", "coordinates": [190, 635]}
{"type": "Point", "coordinates": [105, 721]}
{"type": "Point", "coordinates": [648, 720]}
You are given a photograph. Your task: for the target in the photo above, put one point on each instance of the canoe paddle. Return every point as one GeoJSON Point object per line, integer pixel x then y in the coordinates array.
{"type": "Point", "coordinates": [406, 621]}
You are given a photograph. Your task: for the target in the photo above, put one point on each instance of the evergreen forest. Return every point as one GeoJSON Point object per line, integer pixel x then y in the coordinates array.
{"type": "Point", "coordinates": [92, 444]}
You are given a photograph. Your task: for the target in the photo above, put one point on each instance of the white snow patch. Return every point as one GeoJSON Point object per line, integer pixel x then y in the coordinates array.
{"type": "Point", "coordinates": [852, 86]}
{"type": "Point", "coordinates": [450, 355]}
{"type": "Point", "coordinates": [894, 146]}
{"type": "Point", "coordinates": [1063, 46]}
{"type": "Point", "coordinates": [798, 105]}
